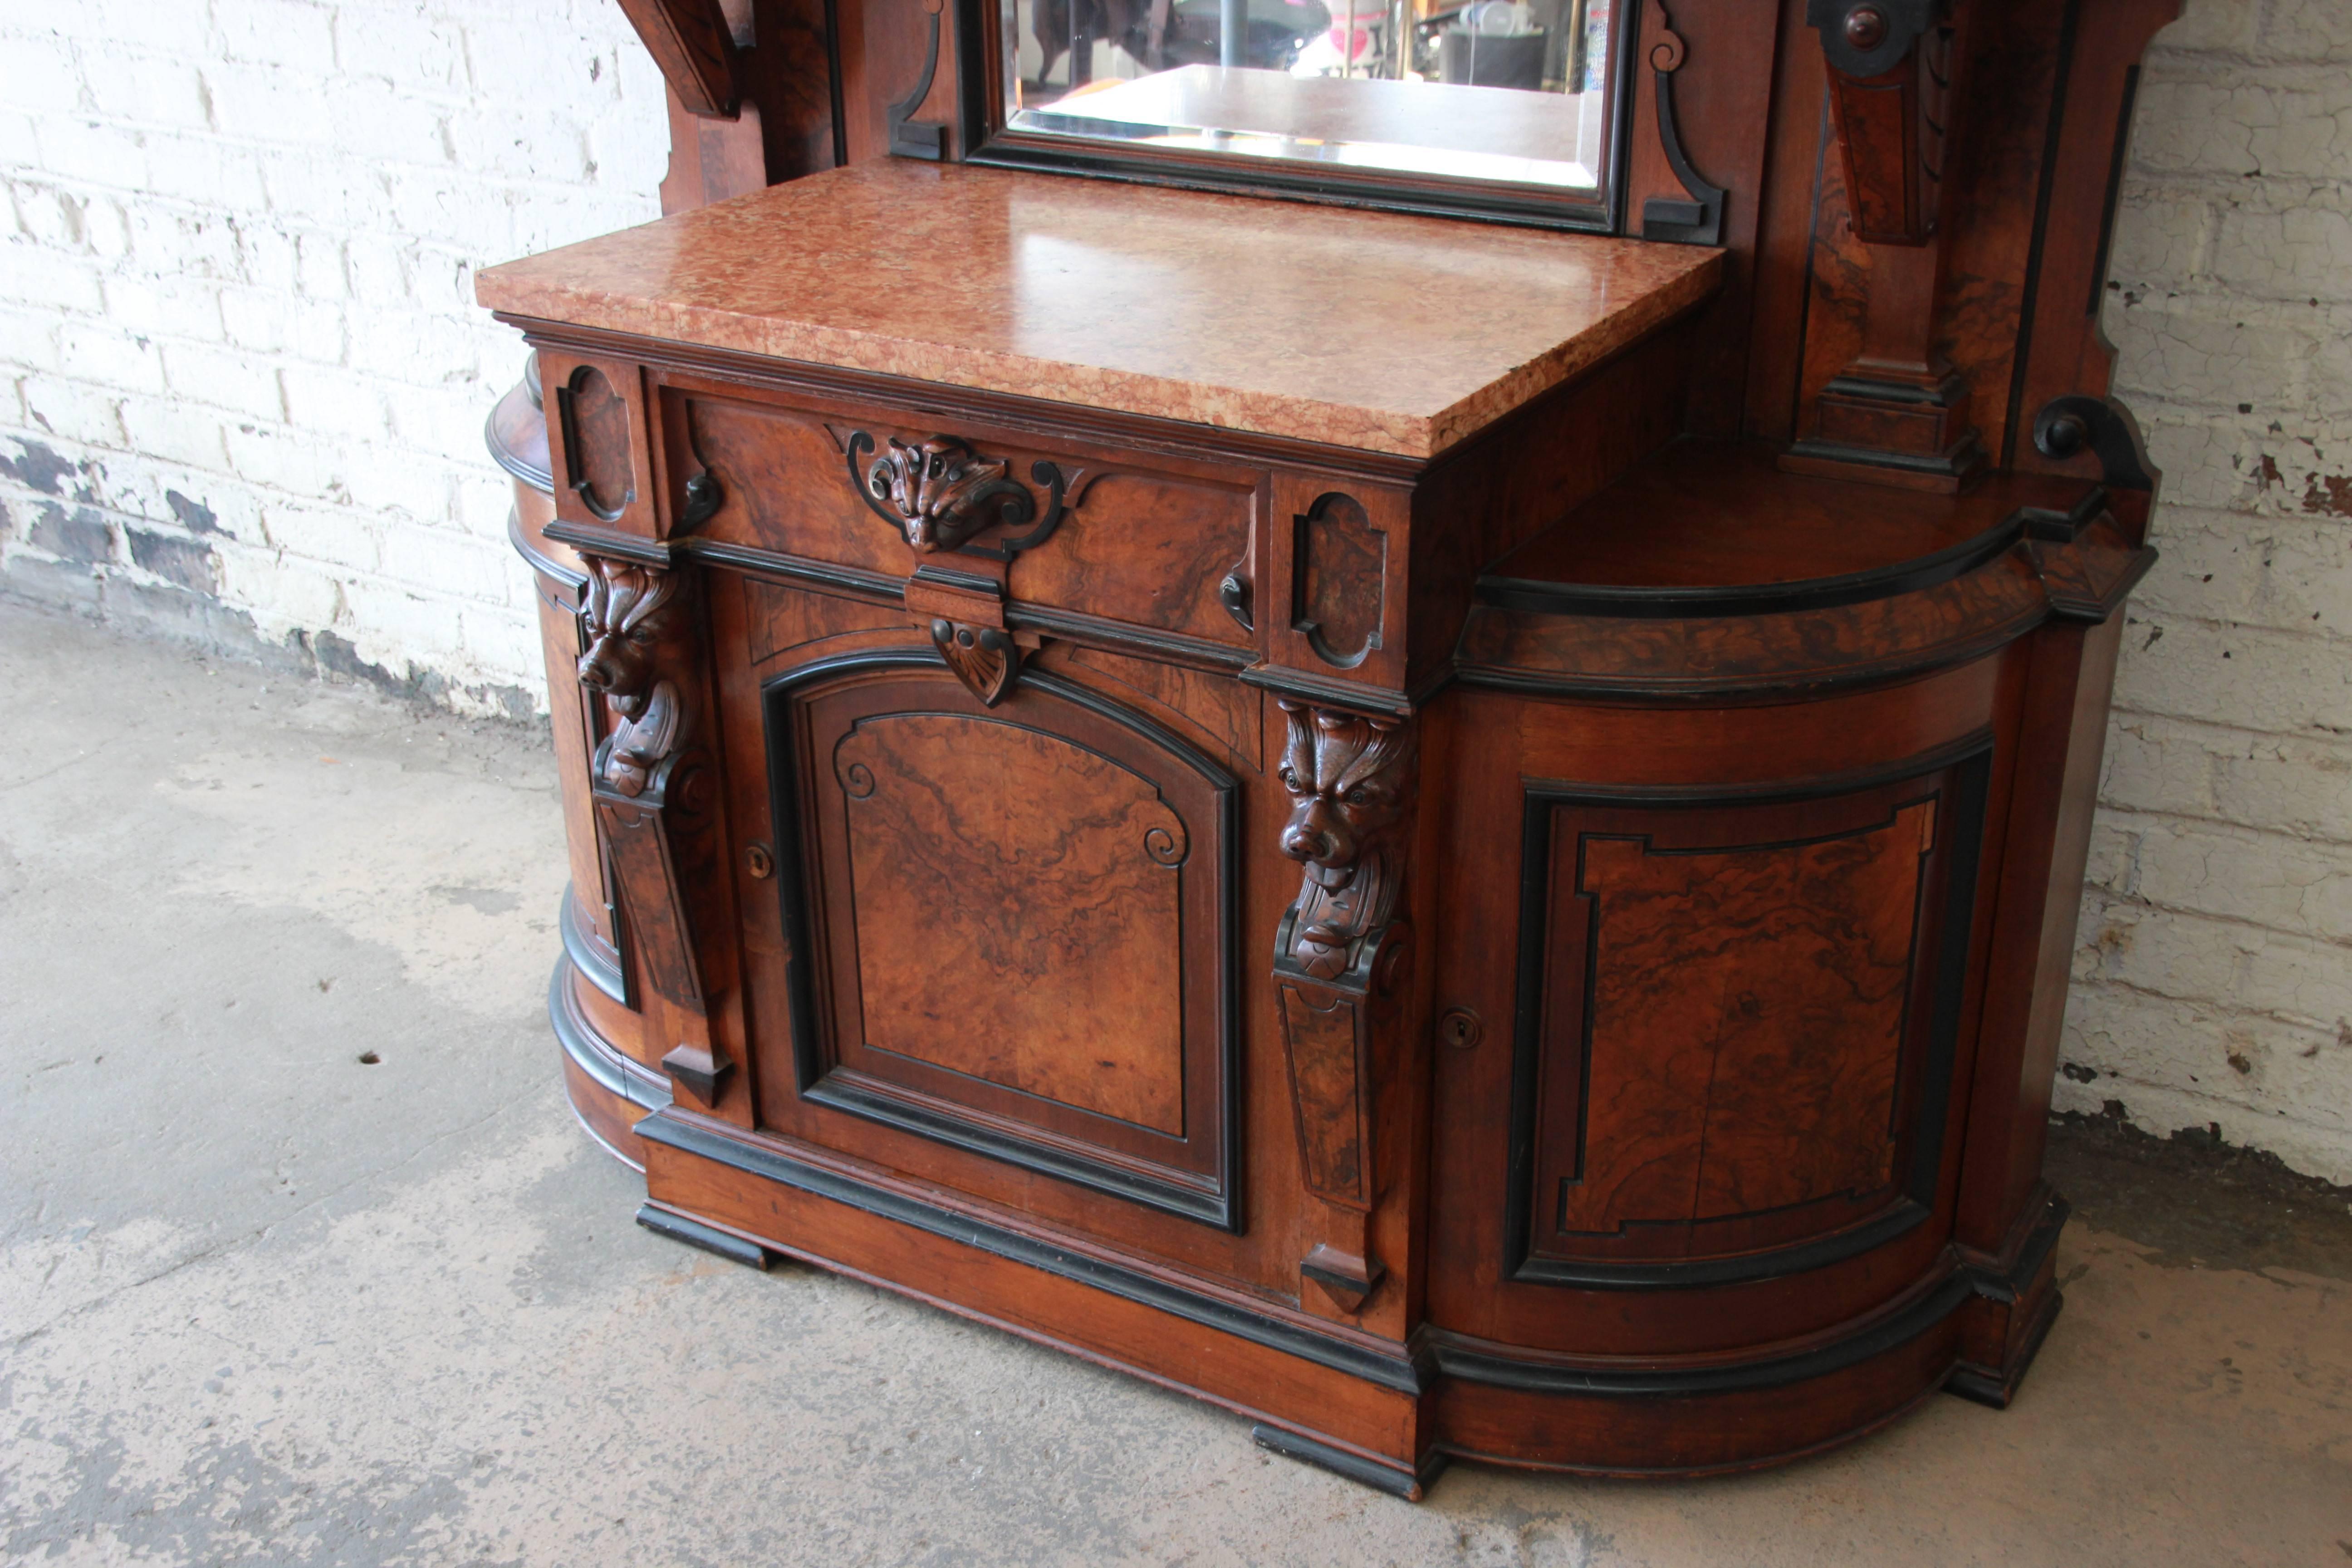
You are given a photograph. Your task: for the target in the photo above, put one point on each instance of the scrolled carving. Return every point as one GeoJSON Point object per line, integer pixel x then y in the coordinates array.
{"type": "Point", "coordinates": [938, 494]}
{"type": "Point", "coordinates": [632, 612]}
{"type": "Point", "coordinates": [1351, 784]}
{"type": "Point", "coordinates": [1166, 845]}
{"type": "Point", "coordinates": [1694, 217]}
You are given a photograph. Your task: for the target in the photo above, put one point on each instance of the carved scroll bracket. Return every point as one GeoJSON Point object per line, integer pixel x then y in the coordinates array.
{"type": "Point", "coordinates": [2069, 425]}
{"type": "Point", "coordinates": [909, 137]}
{"type": "Point", "coordinates": [655, 798]}
{"type": "Point", "coordinates": [1338, 955]}
{"type": "Point", "coordinates": [1695, 217]}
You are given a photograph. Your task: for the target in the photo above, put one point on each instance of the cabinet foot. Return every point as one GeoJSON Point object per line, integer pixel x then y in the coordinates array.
{"type": "Point", "coordinates": [1996, 1386]}
{"type": "Point", "coordinates": [710, 1238]}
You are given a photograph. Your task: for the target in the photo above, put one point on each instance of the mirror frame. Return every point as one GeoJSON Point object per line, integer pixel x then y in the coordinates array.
{"type": "Point", "coordinates": [986, 139]}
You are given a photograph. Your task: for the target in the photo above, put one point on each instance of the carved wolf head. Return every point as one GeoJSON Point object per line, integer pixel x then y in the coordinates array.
{"type": "Point", "coordinates": [1349, 778]}
{"type": "Point", "coordinates": [629, 610]}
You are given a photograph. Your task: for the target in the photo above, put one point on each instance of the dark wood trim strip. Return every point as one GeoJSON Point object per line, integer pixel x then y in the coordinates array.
{"type": "Point", "coordinates": [1285, 682]}
{"type": "Point", "coordinates": [1207, 1206]}
{"type": "Point", "coordinates": [541, 479]}
{"type": "Point", "coordinates": [878, 586]}
{"type": "Point", "coordinates": [1923, 1313]}
{"type": "Point", "coordinates": [2008, 1284]}
{"type": "Point", "coordinates": [1381, 1474]}
{"type": "Point", "coordinates": [1398, 1369]}
{"type": "Point", "coordinates": [1078, 627]}
{"type": "Point", "coordinates": [597, 540]}
{"type": "Point", "coordinates": [1541, 598]}
{"type": "Point", "coordinates": [602, 972]}
{"type": "Point", "coordinates": [539, 560]}
{"type": "Point", "coordinates": [1765, 686]}
{"type": "Point", "coordinates": [607, 1068]}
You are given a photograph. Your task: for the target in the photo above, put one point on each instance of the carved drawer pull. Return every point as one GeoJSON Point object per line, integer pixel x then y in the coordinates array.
{"type": "Point", "coordinates": [938, 495]}
{"type": "Point", "coordinates": [1233, 594]}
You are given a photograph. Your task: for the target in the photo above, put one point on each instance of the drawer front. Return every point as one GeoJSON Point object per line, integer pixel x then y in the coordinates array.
{"type": "Point", "coordinates": [1140, 539]}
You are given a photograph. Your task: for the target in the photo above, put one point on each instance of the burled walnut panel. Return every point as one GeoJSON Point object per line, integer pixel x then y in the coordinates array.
{"type": "Point", "coordinates": [1056, 880]}
{"type": "Point", "coordinates": [1747, 1019]}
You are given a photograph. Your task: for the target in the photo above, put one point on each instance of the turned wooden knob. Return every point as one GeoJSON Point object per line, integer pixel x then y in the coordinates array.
{"type": "Point", "coordinates": [1866, 26]}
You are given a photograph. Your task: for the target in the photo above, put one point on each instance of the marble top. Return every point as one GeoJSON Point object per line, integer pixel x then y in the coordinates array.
{"type": "Point", "coordinates": [1380, 331]}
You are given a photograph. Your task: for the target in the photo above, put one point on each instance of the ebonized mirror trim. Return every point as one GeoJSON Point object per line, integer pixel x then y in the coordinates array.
{"type": "Point", "coordinates": [985, 139]}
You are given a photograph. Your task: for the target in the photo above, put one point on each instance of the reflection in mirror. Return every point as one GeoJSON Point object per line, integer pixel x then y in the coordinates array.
{"type": "Point", "coordinates": [1505, 90]}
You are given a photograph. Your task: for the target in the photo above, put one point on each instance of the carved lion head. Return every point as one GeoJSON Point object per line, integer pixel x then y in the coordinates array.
{"type": "Point", "coordinates": [1350, 784]}
{"type": "Point", "coordinates": [628, 614]}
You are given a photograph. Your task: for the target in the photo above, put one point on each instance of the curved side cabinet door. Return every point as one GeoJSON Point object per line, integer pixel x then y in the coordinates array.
{"type": "Point", "coordinates": [1740, 1050]}
{"type": "Point", "coordinates": [1011, 926]}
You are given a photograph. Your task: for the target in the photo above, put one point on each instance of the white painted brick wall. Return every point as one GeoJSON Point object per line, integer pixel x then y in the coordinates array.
{"type": "Point", "coordinates": [2214, 978]}
{"type": "Point", "coordinates": [236, 268]}
{"type": "Point", "coordinates": [236, 309]}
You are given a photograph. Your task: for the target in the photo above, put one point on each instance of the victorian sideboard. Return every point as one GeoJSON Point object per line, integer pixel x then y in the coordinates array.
{"type": "Point", "coordinates": [1452, 824]}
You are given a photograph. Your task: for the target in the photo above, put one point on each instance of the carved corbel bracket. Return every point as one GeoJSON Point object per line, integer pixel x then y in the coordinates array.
{"type": "Point", "coordinates": [1337, 957]}
{"type": "Point", "coordinates": [1890, 75]}
{"type": "Point", "coordinates": [1899, 413]}
{"type": "Point", "coordinates": [964, 613]}
{"type": "Point", "coordinates": [690, 42]}
{"type": "Point", "coordinates": [1352, 783]}
{"type": "Point", "coordinates": [654, 795]}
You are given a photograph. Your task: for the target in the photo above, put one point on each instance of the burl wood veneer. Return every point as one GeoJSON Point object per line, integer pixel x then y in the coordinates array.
{"type": "Point", "coordinates": [1382, 820]}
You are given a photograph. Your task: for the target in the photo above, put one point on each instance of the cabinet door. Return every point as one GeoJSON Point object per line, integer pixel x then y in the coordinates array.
{"type": "Point", "coordinates": [1736, 1036]}
{"type": "Point", "coordinates": [1011, 927]}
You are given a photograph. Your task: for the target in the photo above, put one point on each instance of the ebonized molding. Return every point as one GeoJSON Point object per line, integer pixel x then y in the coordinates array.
{"type": "Point", "coordinates": [1433, 1354]}
{"type": "Point", "coordinates": [1355, 1355]}
{"type": "Point", "coordinates": [1393, 1479]}
{"type": "Point", "coordinates": [1780, 598]}
{"type": "Point", "coordinates": [1918, 1315]}
{"type": "Point", "coordinates": [603, 972]}
{"type": "Point", "coordinates": [540, 562]}
{"type": "Point", "coordinates": [607, 1068]}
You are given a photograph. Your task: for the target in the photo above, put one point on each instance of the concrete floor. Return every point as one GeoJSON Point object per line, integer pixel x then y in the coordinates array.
{"type": "Point", "coordinates": [261, 1302]}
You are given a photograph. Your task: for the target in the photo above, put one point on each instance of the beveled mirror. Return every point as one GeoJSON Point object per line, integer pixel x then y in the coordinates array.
{"type": "Point", "coordinates": [1498, 108]}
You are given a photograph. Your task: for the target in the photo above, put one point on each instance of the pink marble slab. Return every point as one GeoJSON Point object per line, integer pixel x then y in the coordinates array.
{"type": "Point", "coordinates": [1377, 331]}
